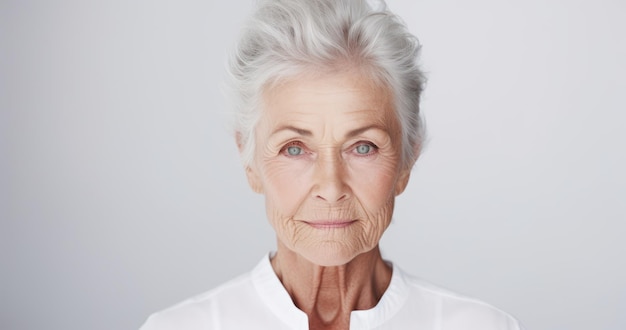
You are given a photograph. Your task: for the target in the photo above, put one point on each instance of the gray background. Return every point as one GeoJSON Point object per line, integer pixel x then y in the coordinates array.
{"type": "Point", "coordinates": [121, 191]}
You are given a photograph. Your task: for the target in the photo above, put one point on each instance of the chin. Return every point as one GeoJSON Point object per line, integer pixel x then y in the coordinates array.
{"type": "Point", "coordinates": [330, 254]}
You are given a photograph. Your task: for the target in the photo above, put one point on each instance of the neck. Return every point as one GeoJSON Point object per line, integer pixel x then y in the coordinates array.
{"type": "Point", "coordinates": [328, 294]}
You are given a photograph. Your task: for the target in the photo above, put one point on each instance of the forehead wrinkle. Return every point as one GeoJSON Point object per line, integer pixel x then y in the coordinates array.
{"type": "Point", "coordinates": [372, 109]}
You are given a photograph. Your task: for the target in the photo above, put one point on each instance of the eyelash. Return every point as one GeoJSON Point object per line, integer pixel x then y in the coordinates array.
{"type": "Point", "coordinates": [284, 150]}
{"type": "Point", "coordinates": [353, 149]}
{"type": "Point", "coordinates": [367, 143]}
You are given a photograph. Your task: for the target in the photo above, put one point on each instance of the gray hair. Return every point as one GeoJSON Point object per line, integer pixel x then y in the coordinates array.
{"type": "Point", "coordinates": [288, 37]}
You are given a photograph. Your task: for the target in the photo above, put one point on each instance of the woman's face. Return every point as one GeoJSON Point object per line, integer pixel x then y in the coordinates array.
{"type": "Point", "coordinates": [328, 162]}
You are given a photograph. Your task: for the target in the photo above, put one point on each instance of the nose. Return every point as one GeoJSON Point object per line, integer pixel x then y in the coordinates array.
{"type": "Point", "coordinates": [330, 175]}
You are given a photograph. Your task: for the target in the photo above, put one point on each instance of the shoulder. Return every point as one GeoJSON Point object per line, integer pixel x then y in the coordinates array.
{"type": "Point", "coordinates": [456, 311]}
{"type": "Point", "coordinates": [204, 310]}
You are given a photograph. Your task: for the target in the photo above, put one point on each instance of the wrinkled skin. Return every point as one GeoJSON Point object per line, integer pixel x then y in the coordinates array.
{"type": "Point", "coordinates": [328, 161]}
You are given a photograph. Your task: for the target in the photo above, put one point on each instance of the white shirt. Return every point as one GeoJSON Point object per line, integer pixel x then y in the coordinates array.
{"type": "Point", "coordinates": [257, 300]}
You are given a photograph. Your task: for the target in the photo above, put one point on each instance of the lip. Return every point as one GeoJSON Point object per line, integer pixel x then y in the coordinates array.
{"type": "Point", "coordinates": [330, 224]}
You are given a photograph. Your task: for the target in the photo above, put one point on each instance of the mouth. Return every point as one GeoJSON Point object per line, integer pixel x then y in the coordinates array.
{"type": "Point", "coordinates": [330, 224]}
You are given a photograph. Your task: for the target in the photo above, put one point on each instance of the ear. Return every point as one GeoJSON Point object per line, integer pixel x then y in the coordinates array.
{"type": "Point", "coordinates": [251, 173]}
{"type": "Point", "coordinates": [254, 180]}
{"type": "Point", "coordinates": [405, 173]}
{"type": "Point", "coordinates": [403, 181]}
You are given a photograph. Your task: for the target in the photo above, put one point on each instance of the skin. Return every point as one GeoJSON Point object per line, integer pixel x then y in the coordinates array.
{"type": "Point", "coordinates": [328, 162]}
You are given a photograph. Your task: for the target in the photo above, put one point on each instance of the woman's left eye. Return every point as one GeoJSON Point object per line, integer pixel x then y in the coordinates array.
{"type": "Point", "coordinates": [364, 149]}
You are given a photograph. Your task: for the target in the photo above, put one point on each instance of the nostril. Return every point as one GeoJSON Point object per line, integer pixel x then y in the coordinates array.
{"type": "Point", "coordinates": [342, 197]}
{"type": "Point", "coordinates": [332, 194]}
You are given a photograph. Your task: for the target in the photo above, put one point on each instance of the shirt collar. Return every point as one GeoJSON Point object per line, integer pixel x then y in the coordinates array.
{"type": "Point", "coordinates": [276, 297]}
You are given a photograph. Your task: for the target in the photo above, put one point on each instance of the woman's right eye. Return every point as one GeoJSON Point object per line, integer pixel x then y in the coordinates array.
{"type": "Point", "coordinates": [293, 150]}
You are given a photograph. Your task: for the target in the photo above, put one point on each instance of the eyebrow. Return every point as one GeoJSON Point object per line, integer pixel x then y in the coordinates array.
{"type": "Point", "coordinates": [352, 133]}
{"type": "Point", "coordinates": [358, 131]}
{"type": "Point", "coordinates": [300, 131]}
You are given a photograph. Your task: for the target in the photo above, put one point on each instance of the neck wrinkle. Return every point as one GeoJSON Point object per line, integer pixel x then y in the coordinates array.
{"type": "Point", "coordinates": [329, 294]}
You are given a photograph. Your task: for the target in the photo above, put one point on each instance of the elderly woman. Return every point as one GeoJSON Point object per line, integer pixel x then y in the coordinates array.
{"type": "Point", "coordinates": [328, 127]}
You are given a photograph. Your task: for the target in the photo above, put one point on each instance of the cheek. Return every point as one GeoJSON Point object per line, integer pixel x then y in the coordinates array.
{"type": "Point", "coordinates": [374, 186]}
{"type": "Point", "coordinates": [284, 187]}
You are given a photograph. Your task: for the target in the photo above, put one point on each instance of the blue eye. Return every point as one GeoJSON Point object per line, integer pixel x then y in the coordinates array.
{"type": "Point", "coordinates": [363, 149]}
{"type": "Point", "coordinates": [294, 150]}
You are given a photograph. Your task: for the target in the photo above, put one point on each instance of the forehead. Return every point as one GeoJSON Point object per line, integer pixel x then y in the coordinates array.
{"type": "Point", "coordinates": [328, 96]}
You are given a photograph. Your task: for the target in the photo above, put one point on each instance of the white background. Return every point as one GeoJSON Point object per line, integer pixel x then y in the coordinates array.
{"type": "Point", "coordinates": [121, 191]}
